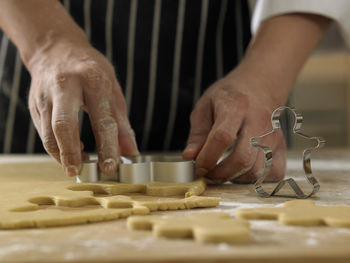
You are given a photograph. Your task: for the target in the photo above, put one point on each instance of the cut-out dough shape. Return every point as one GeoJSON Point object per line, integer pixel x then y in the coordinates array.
{"type": "Point", "coordinates": [301, 212]}
{"type": "Point", "coordinates": [39, 203]}
{"type": "Point", "coordinates": [202, 227]}
{"type": "Point", "coordinates": [154, 188]}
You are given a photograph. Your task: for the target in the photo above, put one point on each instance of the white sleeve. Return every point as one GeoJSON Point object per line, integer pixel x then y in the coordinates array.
{"type": "Point", "coordinates": [337, 37]}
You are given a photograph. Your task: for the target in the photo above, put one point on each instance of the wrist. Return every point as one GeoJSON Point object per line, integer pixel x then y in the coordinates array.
{"type": "Point", "coordinates": [268, 76]}
{"type": "Point", "coordinates": [277, 53]}
{"type": "Point", "coordinates": [36, 26]}
{"type": "Point", "coordinates": [53, 46]}
{"type": "Point", "coordinates": [258, 81]}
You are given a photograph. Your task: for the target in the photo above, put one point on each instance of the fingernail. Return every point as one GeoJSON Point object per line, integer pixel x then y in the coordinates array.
{"type": "Point", "coordinates": [109, 166]}
{"type": "Point", "coordinates": [71, 170]}
{"type": "Point", "coordinates": [135, 153]}
{"type": "Point", "coordinates": [200, 172]}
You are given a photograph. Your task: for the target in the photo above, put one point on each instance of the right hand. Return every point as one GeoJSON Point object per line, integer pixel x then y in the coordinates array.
{"type": "Point", "coordinates": [65, 77]}
{"type": "Point", "coordinates": [229, 113]}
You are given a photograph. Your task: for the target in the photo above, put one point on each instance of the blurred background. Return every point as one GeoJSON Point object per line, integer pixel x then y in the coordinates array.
{"type": "Point", "coordinates": [322, 94]}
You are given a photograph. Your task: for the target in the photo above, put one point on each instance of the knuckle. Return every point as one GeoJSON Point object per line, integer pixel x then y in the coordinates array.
{"type": "Point", "coordinates": [61, 126]}
{"type": "Point", "coordinates": [241, 100]}
{"type": "Point", "coordinates": [62, 76]}
{"type": "Point", "coordinates": [240, 96]}
{"type": "Point", "coordinates": [62, 80]}
{"type": "Point", "coordinates": [106, 125]}
{"type": "Point", "coordinates": [38, 98]}
{"type": "Point", "coordinates": [97, 76]}
{"type": "Point", "coordinates": [228, 101]}
{"type": "Point", "coordinates": [224, 137]}
{"type": "Point", "coordinates": [50, 144]}
{"type": "Point", "coordinates": [95, 73]}
{"type": "Point", "coordinates": [245, 161]}
{"type": "Point", "coordinates": [200, 114]}
{"type": "Point", "coordinates": [43, 102]}
{"type": "Point", "coordinates": [92, 73]}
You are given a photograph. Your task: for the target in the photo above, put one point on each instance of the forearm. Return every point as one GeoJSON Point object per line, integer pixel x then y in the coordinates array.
{"type": "Point", "coordinates": [280, 48]}
{"type": "Point", "coordinates": [36, 25]}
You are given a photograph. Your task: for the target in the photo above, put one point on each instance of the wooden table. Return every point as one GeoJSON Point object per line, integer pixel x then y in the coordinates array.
{"type": "Point", "coordinates": [271, 242]}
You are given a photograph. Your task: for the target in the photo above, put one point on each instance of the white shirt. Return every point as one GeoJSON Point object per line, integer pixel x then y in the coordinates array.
{"type": "Point", "coordinates": [337, 37]}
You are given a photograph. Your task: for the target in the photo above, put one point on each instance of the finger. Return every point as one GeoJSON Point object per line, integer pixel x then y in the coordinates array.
{"type": "Point", "coordinates": [126, 135]}
{"type": "Point", "coordinates": [65, 125]}
{"type": "Point", "coordinates": [34, 111]}
{"type": "Point", "coordinates": [223, 133]}
{"type": "Point", "coordinates": [47, 135]}
{"type": "Point", "coordinates": [253, 174]}
{"type": "Point", "coordinates": [104, 124]}
{"type": "Point", "coordinates": [126, 138]}
{"type": "Point", "coordinates": [105, 130]}
{"type": "Point", "coordinates": [278, 168]}
{"type": "Point", "coordinates": [240, 161]}
{"type": "Point", "coordinates": [201, 123]}
{"type": "Point", "coordinates": [42, 122]}
{"type": "Point", "coordinates": [244, 156]}
{"type": "Point", "coordinates": [277, 145]}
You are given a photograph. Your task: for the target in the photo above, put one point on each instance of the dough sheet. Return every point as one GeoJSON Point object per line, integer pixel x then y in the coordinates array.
{"type": "Point", "coordinates": [39, 195]}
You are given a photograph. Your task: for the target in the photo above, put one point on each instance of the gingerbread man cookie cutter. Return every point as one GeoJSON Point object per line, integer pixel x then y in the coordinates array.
{"type": "Point", "coordinates": [276, 126]}
{"type": "Point", "coordinates": [142, 169]}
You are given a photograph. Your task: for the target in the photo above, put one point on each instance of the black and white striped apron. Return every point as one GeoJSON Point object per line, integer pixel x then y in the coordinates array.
{"type": "Point", "coordinates": [165, 54]}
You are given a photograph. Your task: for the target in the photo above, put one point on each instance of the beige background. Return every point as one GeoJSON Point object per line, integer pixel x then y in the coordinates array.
{"type": "Point", "coordinates": [322, 94]}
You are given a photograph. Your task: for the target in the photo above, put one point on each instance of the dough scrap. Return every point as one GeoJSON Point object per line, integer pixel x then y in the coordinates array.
{"type": "Point", "coordinates": [208, 227]}
{"type": "Point", "coordinates": [301, 212]}
{"type": "Point", "coordinates": [42, 197]}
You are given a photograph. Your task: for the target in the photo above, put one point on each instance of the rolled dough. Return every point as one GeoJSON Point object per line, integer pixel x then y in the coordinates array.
{"type": "Point", "coordinates": [301, 212]}
{"type": "Point", "coordinates": [39, 195]}
{"type": "Point", "coordinates": [202, 227]}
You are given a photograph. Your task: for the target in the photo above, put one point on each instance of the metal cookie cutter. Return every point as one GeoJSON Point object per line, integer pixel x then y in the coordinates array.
{"type": "Point", "coordinates": [276, 125]}
{"type": "Point", "coordinates": [153, 168]}
{"type": "Point", "coordinates": [90, 173]}
{"type": "Point", "coordinates": [142, 169]}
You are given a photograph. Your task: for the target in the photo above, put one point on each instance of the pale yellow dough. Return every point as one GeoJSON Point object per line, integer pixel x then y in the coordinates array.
{"type": "Point", "coordinates": [202, 227]}
{"type": "Point", "coordinates": [301, 212]}
{"type": "Point", "coordinates": [39, 195]}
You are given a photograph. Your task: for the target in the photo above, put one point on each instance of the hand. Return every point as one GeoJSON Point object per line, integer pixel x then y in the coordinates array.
{"type": "Point", "coordinates": [233, 110]}
{"type": "Point", "coordinates": [239, 106]}
{"type": "Point", "coordinates": [65, 77]}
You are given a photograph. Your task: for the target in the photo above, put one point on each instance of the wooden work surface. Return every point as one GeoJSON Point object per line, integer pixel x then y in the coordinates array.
{"type": "Point", "coordinates": [271, 242]}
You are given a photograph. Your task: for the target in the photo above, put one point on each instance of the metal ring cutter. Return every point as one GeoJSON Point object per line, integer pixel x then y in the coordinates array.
{"type": "Point", "coordinates": [142, 169]}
